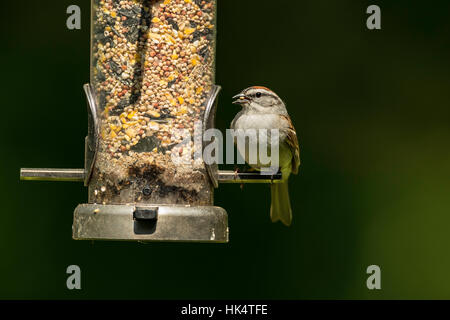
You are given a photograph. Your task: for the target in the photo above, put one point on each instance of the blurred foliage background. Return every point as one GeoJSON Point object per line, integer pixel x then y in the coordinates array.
{"type": "Point", "coordinates": [372, 112]}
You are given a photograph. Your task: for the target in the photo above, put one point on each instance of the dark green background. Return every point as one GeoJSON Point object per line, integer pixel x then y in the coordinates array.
{"type": "Point", "coordinates": [372, 112]}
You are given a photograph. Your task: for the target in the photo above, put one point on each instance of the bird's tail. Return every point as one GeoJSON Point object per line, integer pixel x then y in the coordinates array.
{"type": "Point", "coordinates": [280, 209]}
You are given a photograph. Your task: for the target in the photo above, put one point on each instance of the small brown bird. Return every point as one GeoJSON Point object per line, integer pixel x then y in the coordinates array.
{"type": "Point", "coordinates": [263, 109]}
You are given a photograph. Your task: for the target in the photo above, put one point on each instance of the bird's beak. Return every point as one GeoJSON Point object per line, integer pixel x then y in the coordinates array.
{"type": "Point", "coordinates": [241, 99]}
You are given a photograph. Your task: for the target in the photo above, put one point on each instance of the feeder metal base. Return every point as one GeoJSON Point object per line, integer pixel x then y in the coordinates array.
{"type": "Point", "coordinates": [172, 223]}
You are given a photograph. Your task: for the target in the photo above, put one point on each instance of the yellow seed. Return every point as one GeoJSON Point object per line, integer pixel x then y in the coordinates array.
{"type": "Point", "coordinates": [129, 124]}
{"type": "Point", "coordinates": [131, 115]}
{"type": "Point", "coordinates": [199, 90]}
{"type": "Point", "coordinates": [154, 114]}
{"type": "Point", "coordinates": [180, 100]}
{"type": "Point", "coordinates": [166, 1]}
{"type": "Point", "coordinates": [112, 135]}
{"type": "Point", "coordinates": [131, 133]}
{"type": "Point", "coordinates": [156, 20]}
{"type": "Point", "coordinates": [183, 110]}
{"type": "Point", "coordinates": [170, 39]}
{"type": "Point", "coordinates": [115, 128]}
{"type": "Point", "coordinates": [173, 102]}
{"type": "Point", "coordinates": [174, 56]}
{"type": "Point", "coordinates": [188, 1]}
{"type": "Point", "coordinates": [155, 150]}
{"type": "Point", "coordinates": [113, 14]}
{"type": "Point", "coordinates": [194, 62]}
{"type": "Point", "coordinates": [189, 31]}
{"type": "Point", "coordinates": [108, 28]}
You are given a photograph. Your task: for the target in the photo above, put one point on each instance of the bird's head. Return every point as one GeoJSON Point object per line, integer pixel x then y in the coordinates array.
{"type": "Point", "coordinates": [260, 98]}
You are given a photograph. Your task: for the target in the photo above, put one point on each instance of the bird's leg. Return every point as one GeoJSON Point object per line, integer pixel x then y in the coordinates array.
{"type": "Point", "coordinates": [236, 171]}
{"type": "Point", "coordinates": [278, 172]}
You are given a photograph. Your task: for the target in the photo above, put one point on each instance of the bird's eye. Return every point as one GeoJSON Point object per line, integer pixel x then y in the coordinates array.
{"type": "Point", "coordinates": [258, 94]}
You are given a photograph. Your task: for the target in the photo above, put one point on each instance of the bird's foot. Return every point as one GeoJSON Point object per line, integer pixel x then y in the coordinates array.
{"type": "Point", "coordinates": [236, 172]}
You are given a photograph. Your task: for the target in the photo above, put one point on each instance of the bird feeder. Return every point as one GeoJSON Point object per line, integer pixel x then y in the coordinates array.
{"type": "Point", "coordinates": [152, 77]}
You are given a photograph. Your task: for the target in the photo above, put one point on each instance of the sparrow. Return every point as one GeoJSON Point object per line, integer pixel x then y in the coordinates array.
{"type": "Point", "coordinates": [263, 109]}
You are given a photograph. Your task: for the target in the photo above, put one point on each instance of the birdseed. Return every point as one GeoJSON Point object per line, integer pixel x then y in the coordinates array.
{"type": "Point", "coordinates": [152, 71]}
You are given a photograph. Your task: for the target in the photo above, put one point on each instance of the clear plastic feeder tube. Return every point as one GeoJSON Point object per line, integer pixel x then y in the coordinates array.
{"type": "Point", "coordinates": [152, 68]}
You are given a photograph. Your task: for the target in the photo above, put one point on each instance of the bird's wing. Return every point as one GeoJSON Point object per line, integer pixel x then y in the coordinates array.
{"type": "Point", "coordinates": [292, 141]}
